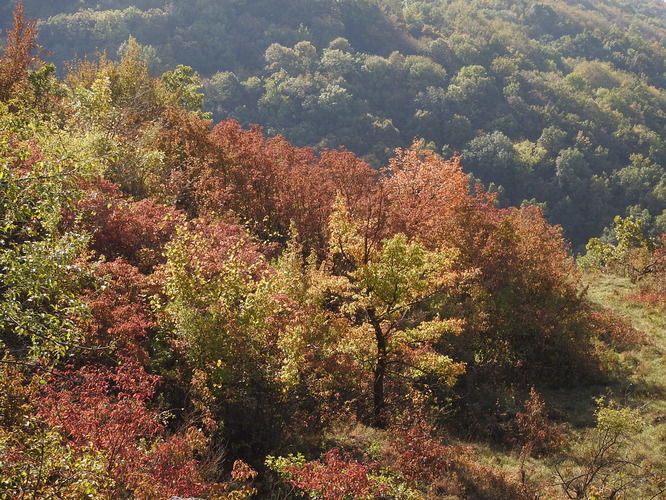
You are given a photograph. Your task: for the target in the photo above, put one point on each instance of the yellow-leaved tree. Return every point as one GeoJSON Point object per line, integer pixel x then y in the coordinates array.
{"type": "Point", "coordinates": [388, 293]}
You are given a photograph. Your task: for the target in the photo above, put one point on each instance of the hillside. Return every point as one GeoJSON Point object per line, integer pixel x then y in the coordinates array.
{"type": "Point", "coordinates": [559, 103]}
{"type": "Point", "coordinates": [201, 309]}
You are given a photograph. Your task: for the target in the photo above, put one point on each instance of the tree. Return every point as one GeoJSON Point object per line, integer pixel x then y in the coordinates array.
{"type": "Point", "coordinates": [213, 268]}
{"type": "Point", "coordinates": [40, 268]}
{"type": "Point", "coordinates": [603, 465]}
{"type": "Point", "coordinates": [336, 476]}
{"type": "Point", "coordinates": [423, 73]}
{"type": "Point", "coordinates": [17, 57]}
{"type": "Point", "coordinates": [471, 89]}
{"type": "Point", "coordinates": [135, 231]}
{"type": "Point", "coordinates": [425, 195]}
{"type": "Point", "coordinates": [630, 254]}
{"type": "Point", "coordinates": [492, 157]}
{"type": "Point", "coordinates": [36, 459]}
{"type": "Point", "coordinates": [241, 326]}
{"type": "Point", "coordinates": [388, 293]}
{"type": "Point", "coordinates": [332, 107]}
{"type": "Point", "coordinates": [224, 93]}
{"type": "Point", "coordinates": [642, 182]}
{"type": "Point", "coordinates": [279, 57]}
{"type": "Point", "coordinates": [106, 412]}
{"type": "Point", "coordinates": [514, 266]}
{"type": "Point", "coordinates": [339, 61]}
{"type": "Point", "coordinates": [552, 139]}
{"type": "Point", "coordinates": [183, 83]}
{"type": "Point", "coordinates": [572, 171]}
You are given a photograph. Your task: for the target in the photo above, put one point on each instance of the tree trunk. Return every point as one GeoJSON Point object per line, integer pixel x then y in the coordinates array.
{"type": "Point", "coordinates": [378, 395]}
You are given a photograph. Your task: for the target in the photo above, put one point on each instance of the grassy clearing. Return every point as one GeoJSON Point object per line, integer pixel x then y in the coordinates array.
{"type": "Point", "coordinates": [649, 362]}
{"type": "Point", "coordinates": [611, 292]}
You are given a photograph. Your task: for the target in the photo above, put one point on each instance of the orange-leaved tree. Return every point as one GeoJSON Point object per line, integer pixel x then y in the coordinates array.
{"type": "Point", "coordinates": [17, 57]}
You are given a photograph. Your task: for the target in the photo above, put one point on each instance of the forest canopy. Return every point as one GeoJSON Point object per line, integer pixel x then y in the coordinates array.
{"type": "Point", "coordinates": [554, 103]}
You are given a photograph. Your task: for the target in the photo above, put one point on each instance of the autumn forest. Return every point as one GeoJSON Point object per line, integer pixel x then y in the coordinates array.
{"type": "Point", "coordinates": [347, 249]}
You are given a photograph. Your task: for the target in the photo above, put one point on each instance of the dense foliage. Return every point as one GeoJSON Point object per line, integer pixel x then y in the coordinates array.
{"type": "Point", "coordinates": [184, 307]}
{"type": "Point", "coordinates": [556, 102]}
